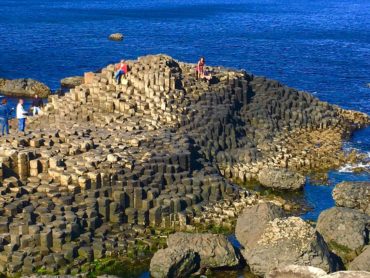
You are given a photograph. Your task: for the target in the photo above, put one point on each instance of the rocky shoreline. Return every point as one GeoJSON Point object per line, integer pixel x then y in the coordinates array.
{"type": "Point", "coordinates": [108, 166]}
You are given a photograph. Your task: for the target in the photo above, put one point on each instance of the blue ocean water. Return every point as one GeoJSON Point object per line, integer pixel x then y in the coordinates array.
{"type": "Point", "coordinates": [321, 46]}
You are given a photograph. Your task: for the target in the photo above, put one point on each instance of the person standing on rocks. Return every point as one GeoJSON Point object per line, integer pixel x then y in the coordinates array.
{"type": "Point", "coordinates": [121, 70]}
{"type": "Point", "coordinates": [200, 67]}
{"type": "Point", "coordinates": [21, 115]}
{"type": "Point", "coordinates": [4, 117]}
{"type": "Point", "coordinates": [37, 104]}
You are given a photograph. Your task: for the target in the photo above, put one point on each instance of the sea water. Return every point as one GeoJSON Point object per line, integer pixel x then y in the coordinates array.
{"type": "Point", "coordinates": [320, 46]}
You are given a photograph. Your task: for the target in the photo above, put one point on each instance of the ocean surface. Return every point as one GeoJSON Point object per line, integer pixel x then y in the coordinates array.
{"type": "Point", "coordinates": [320, 46]}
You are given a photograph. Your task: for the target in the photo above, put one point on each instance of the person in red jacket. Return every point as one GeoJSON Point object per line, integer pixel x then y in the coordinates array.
{"type": "Point", "coordinates": [121, 70]}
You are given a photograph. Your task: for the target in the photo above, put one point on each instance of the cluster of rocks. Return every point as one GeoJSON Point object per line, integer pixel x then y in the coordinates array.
{"type": "Point", "coordinates": [346, 227]}
{"type": "Point", "coordinates": [154, 150]}
{"type": "Point", "coordinates": [25, 87]}
{"type": "Point", "coordinates": [272, 245]}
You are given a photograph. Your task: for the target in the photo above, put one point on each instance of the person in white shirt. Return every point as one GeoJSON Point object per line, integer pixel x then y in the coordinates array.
{"type": "Point", "coordinates": [21, 116]}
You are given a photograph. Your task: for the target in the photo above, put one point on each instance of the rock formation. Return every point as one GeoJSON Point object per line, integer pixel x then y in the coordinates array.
{"type": "Point", "coordinates": [252, 222]}
{"type": "Point", "coordinates": [116, 37]}
{"type": "Point", "coordinates": [288, 241]}
{"type": "Point", "coordinates": [71, 82]}
{"type": "Point", "coordinates": [106, 160]}
{"type": "Point", "coordinates": [362, 262]}
{"type": "Point", "coordinates": [23, 88]}
{"type": "Point", "coordinates": [174, 262]}
{"type": "Point", "coordinates": [355, 195]}
{"type": "Point", "coordinates": [281, 179]}
{"type": "Point", "coordinates": [296, 271]}
{"type": "Point", "coordinates": [214, 250]}
{"type": "Point", "coordinates": [344, 227]}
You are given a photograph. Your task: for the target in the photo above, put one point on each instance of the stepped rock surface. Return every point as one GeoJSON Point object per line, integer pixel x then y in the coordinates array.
{"type": "Point", "coordinates": [23, 88]}
{"type": "Point", "coordinates": [107, 160]}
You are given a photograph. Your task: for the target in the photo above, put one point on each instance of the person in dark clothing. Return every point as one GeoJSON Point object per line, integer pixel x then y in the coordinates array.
{"type": "Point", "coordinates": [4, 116]}
{"type": "Point", "coordinates": [37, 104]}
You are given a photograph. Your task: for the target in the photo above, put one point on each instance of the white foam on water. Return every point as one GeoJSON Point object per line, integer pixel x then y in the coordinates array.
{"type": "Point", "coordinates": [349, 168]}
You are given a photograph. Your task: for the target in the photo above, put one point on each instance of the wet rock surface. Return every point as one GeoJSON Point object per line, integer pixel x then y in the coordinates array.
{"type": "Point", "coordinates": [23, 88]}
{"type": "Point", "coordinates": [161, 150]}
{"type": "Point", "coordinates": [355, 195]}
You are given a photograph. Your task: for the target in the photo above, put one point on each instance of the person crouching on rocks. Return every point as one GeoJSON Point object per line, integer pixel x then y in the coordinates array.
{"type": "Point", "coordinates": [4, 116]}
{"type": "Point", "coordinates": [120, 70]}
{"type": "Point", "coordinates": [21, 116]}
{"type": "Point", "coordinates": [37, 104]}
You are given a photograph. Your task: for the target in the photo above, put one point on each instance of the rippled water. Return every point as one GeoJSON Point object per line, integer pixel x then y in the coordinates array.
{"type": "Point", "coordinates": [320, 46]}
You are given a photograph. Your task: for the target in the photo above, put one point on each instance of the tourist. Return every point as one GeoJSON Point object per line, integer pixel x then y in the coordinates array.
{"type": "Point", "coordinates": [121, 70]}
{"type": "Point", "coordinates": [21, 116]}
{"type": "Point", "coordinates": [200, 67]}
{"type": "Point", "coordinates": [37, 104]}
{"type": "Point", "coordinates": [4, 117]}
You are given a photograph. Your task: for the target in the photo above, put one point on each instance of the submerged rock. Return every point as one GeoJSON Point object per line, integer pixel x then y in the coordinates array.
{"type": "Point", "coordinates": [214, 250]}
{"type": "Point", "coordinates": [116, 37]}
{"type": "Point", "coordinates": [289, 241]}
{"type": "Point", "coordinates": [281, 179]}
{"type": "Point", "coordinates": [296, 271]}
{"type": "Point", "coordinates": [344, 228]}
{"type": "Point", "coordinates": [253, 221]}
{"type": "Point", "coordinates": [173, 262]}
{"type": "Point", "coordinates": [355, 195]}
{"type": "Point", "coordinates": [24, 87]}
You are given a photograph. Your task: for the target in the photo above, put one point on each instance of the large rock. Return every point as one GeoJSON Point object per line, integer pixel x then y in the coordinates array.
{"type": "Point", "coordinates": [23, 88]}
{"type": "Point", "coordinates": [173, 262]}
{"type": "Point", "coordinates": [288, 241]}
{"type": "Point", "coordinates": [296, 271]}
{"type": "Point", "coordinates": [281, 179]}
{"type": "Point", "coordinates": [71, 82]}
{"type": "Point", "coordinates": [214, 250]}
{"type": "Point", "coordinates": [344, 228]}
{"type": "Point", "coordinates": [354, 195]}
{"type": "Point", "coordinates": [116, 37]}
{"type": "Point", "coordinates": [253, 220]}
{"type": "Point", "coordinates": [362, 262]}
